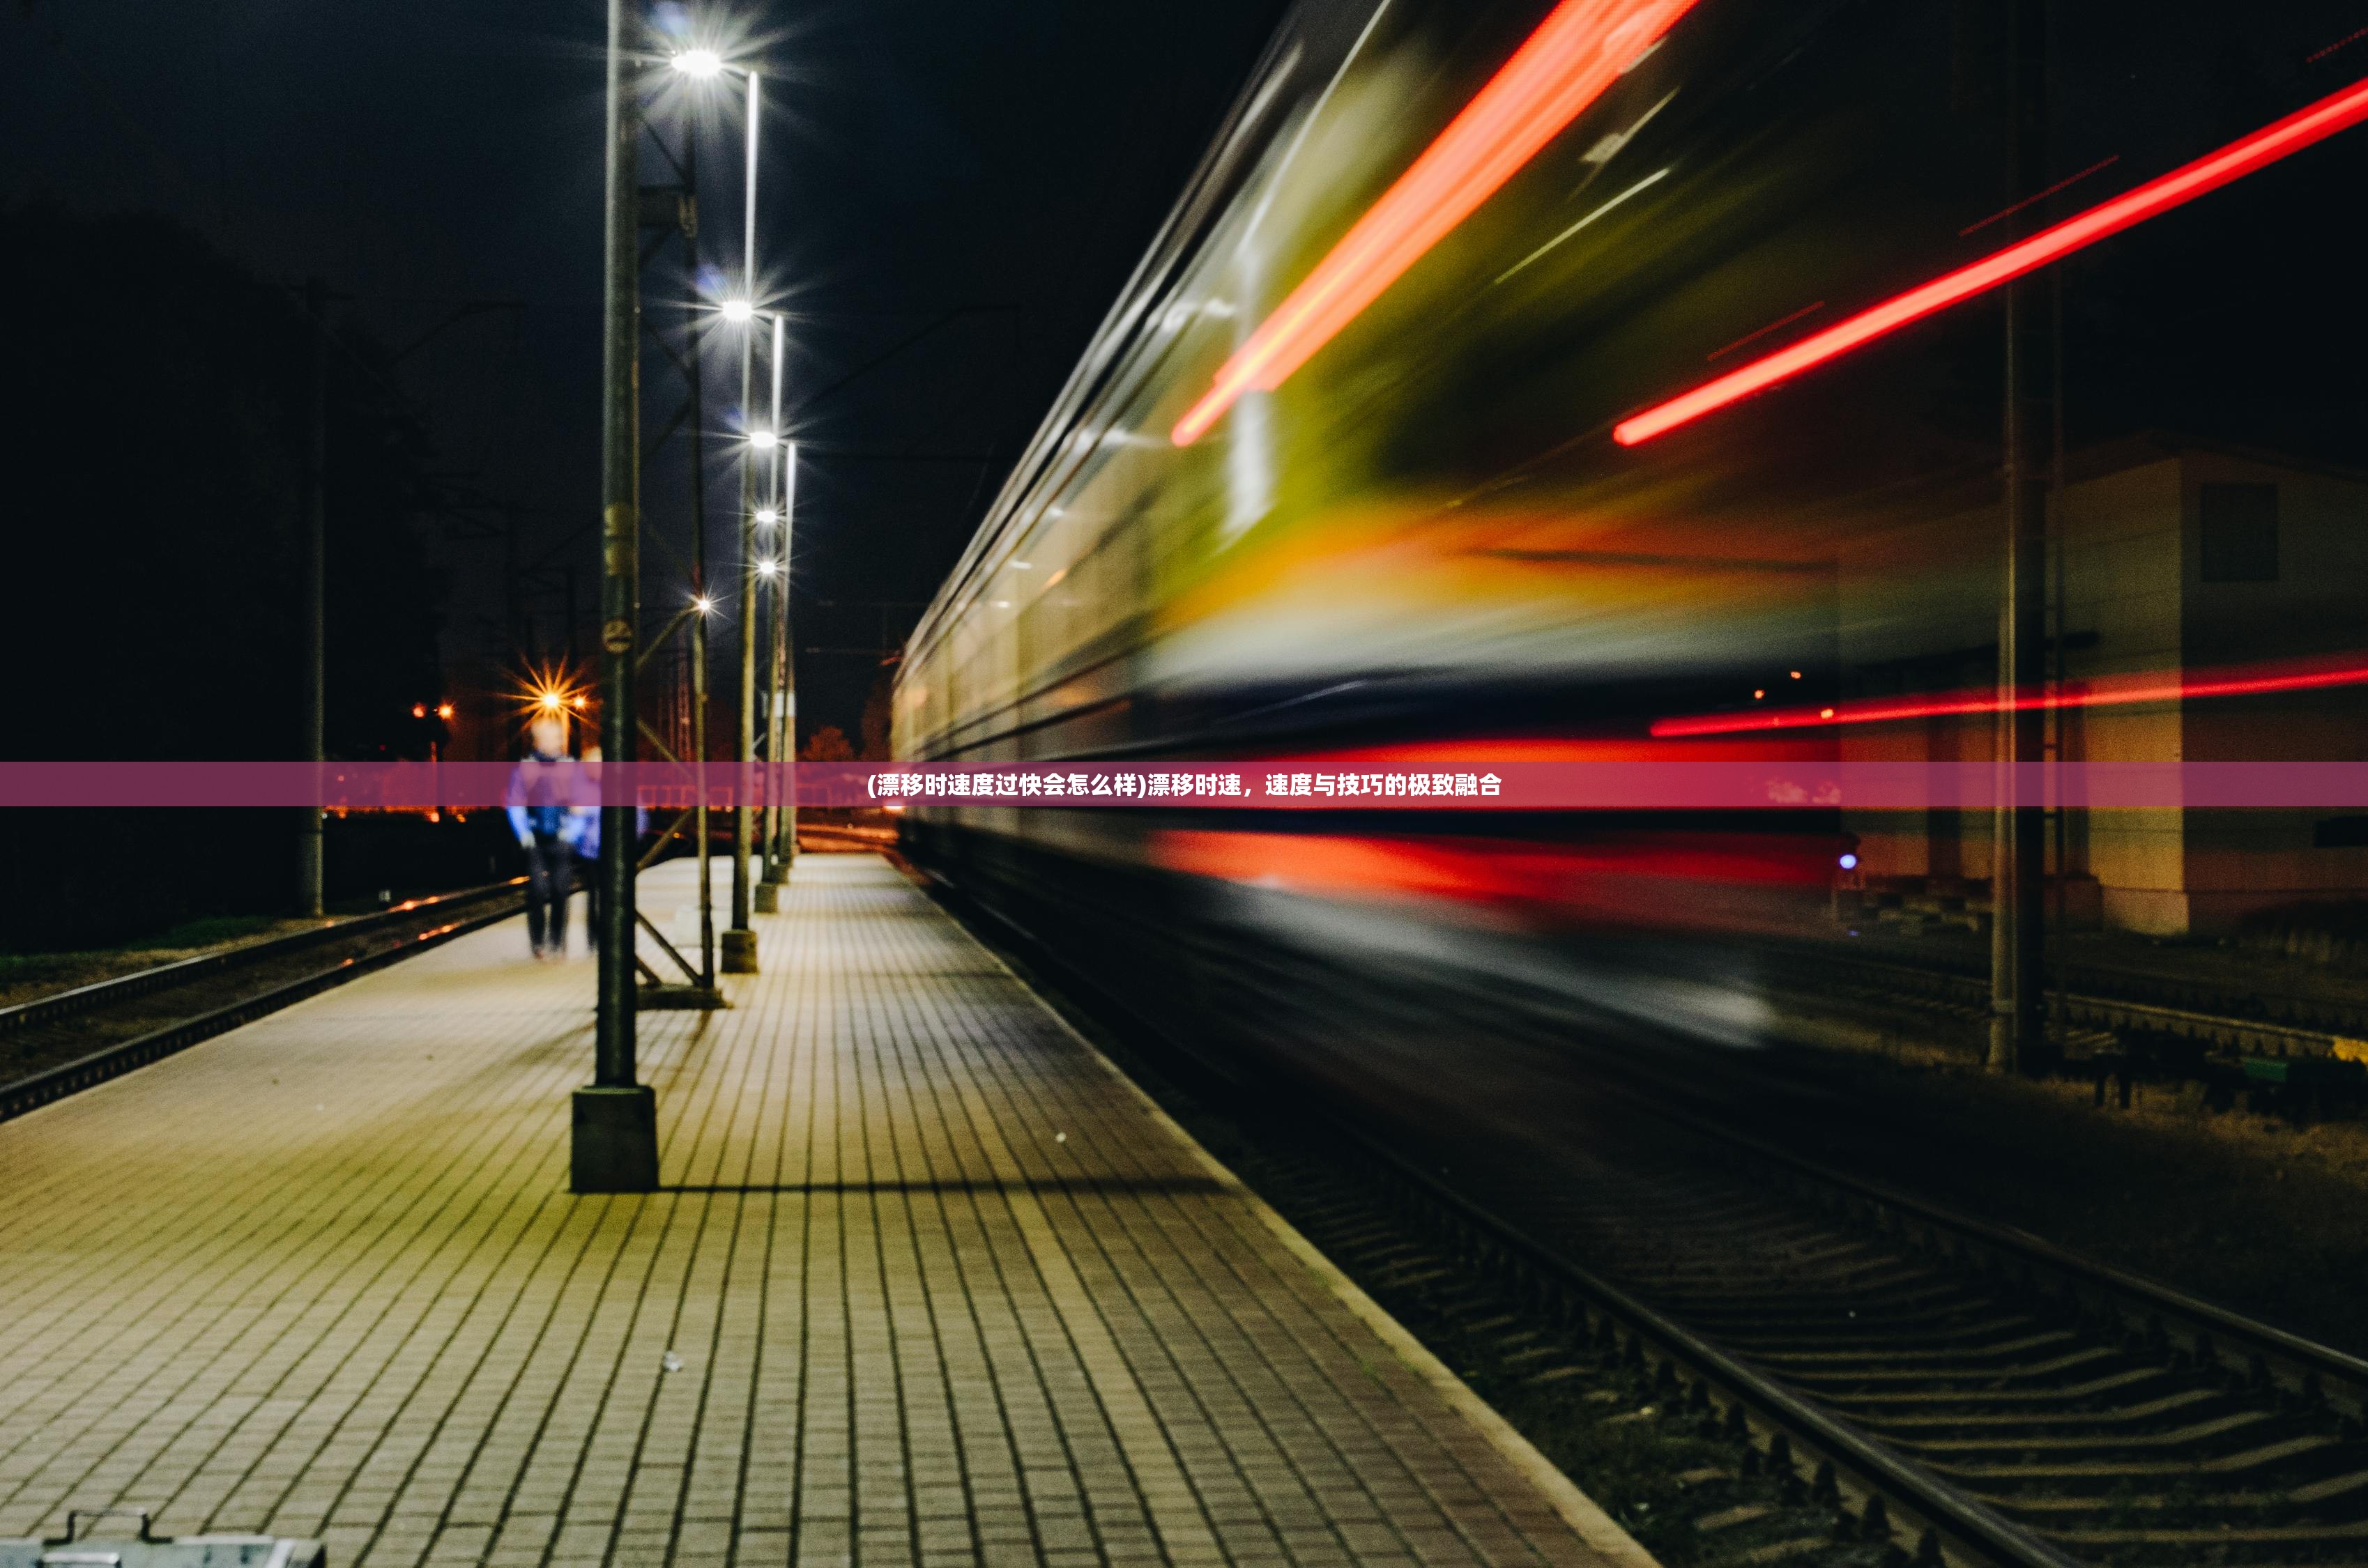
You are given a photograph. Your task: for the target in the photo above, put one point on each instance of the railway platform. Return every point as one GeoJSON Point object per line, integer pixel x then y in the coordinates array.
{"type": "Point", "coordinates": [926, 1281]}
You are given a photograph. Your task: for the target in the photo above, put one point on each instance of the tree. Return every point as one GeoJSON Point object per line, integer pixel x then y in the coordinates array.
{"type": "Point", "coordinates": [827, 745]}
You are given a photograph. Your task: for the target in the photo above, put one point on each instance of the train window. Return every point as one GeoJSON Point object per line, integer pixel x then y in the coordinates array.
{"type": "Point", "coordinates": [2239, 526]}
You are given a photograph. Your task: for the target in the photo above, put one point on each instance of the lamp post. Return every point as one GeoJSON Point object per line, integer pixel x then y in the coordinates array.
{"type": "Point", "coordinates": [739, 941]}
{"type": "Point", "coordinates": [785, 680]}
{"type": "Point", "coordinates": [768, 892]}
{"type": "Point", "coordinates": [614, 1147]}
{"type": "Point", "coordinates": [309, 876]}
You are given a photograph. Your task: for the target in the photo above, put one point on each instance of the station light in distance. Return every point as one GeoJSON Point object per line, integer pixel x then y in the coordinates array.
{"type": "Point", "coordinates": [763, 440]}
{"type": "Point", "coordinates": [1576, 54]}
{"type": "Point", "coordinates": [738, 311]}
{"type": "Point", "coordinates": [2304, 128]}
{"type": "Point", "coordinates": [700, 64]}
{"type": "Point", "coordinates": [766, 516]}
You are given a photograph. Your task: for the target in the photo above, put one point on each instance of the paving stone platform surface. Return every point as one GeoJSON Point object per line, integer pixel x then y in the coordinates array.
{"type": "Point", "coordinates": [927, 1284]}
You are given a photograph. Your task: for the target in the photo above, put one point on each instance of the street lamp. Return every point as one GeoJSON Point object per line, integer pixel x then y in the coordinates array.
{"type": "Point", "coordinates": [739, 945]}
{"type": "Point", "coordinates": [613, 1142]}
{"type": "Point", "coordinates": [776, 576]}
{"type": "Point", "coordinates": [785, 677]}
{"type": "Point", "coordinates": [740, 940]}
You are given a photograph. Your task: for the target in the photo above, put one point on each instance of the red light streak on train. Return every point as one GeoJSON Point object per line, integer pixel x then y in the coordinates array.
{"type": "Point", "coordinates": [1484, 870]}
{"type": "Point", "coordinates": [2106, 691]}
{"type": "Point", "coordinates": [2304, 128]}
{"type": "Point", "coordinates": [1575, 54]}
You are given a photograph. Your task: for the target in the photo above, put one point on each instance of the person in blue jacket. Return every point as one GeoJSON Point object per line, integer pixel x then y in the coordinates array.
{"type": "Point", "coordinates": [543, 789]}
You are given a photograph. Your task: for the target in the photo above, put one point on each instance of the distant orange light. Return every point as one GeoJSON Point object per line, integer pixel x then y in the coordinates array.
{"type": "Point", "coordinates": [2337, 111]}
{"type": "Point", "coordinates": [443, 710]}
{"type": "Point", "coordinates": [575, 702]}
{"type": "Point", "coordinates": [1576, 54]}
{"type": "Point", "coordinates": [550, 702]}
{"type": "Point", "coordinates": [419, 710]}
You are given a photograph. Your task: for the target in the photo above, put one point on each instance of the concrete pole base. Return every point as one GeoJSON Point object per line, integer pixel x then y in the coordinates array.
{"type": "Point", "coordinates": [777, 873]}
{"type": "Point", "coordinates": [769, 897]}
{"type": "Point", "coordinates": [739, 951]}
{"type": "Point", "coordinates": [616, 1140]}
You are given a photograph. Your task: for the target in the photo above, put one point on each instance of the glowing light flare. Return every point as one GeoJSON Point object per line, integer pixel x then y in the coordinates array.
{"type": "Point", "coordinates": [2305, 127]}
{"type": "Point", "coordinates": [443, 710]}
{"type": "Point", "coordinates": [737, 311]}
{"type": "Point", "coordinates": [763, 440]}
{"type": "Point", "coordinates": [1575, 54]}
{"type": "Point", "coordinates": [700, 64]}
{"type": "Point", "coordinates": [2108, 691]}
{"type": "Point", "coordinates": [546, 692]}
{"type": "Point", "coordinates": [766, 516]}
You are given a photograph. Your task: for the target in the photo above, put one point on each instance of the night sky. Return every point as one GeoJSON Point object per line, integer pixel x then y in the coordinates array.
{"type": "Point", "coordinates": [972, 182]}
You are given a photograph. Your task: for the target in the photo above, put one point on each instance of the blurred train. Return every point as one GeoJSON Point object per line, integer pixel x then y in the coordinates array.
{"type": "Point", "coordinates": [1590, 381]}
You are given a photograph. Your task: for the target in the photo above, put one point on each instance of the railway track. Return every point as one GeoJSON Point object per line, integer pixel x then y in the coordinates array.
{"type": "Point", "coordinates": [1928, 1386]}
{"type": "Point", "coordinates": [57, 1045]}
{"type": "Point", "coordinates": [2120, 1010]}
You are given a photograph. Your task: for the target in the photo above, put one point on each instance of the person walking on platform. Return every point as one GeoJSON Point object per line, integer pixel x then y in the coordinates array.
{"type": "Point", "coordinates": [541, 791]}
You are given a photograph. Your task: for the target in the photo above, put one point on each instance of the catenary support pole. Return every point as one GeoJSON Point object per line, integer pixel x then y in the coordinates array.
{"type": "Point", "coordinates": [2018, 880]}
{"type": "Point", "coordinates": [309, 858]}
{"type": "Point", "coordinates": [740, 941]}
{"type": "Point", "coordinates": [615, 1147]}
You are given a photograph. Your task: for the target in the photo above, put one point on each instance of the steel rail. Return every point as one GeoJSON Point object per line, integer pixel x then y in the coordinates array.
{"type": "Point", "coordinates": [141, 983]}
{"type": "Point", "coordinates": [2146, 1309]}
{"type": "Point", "coordinates": [124, 1056]}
